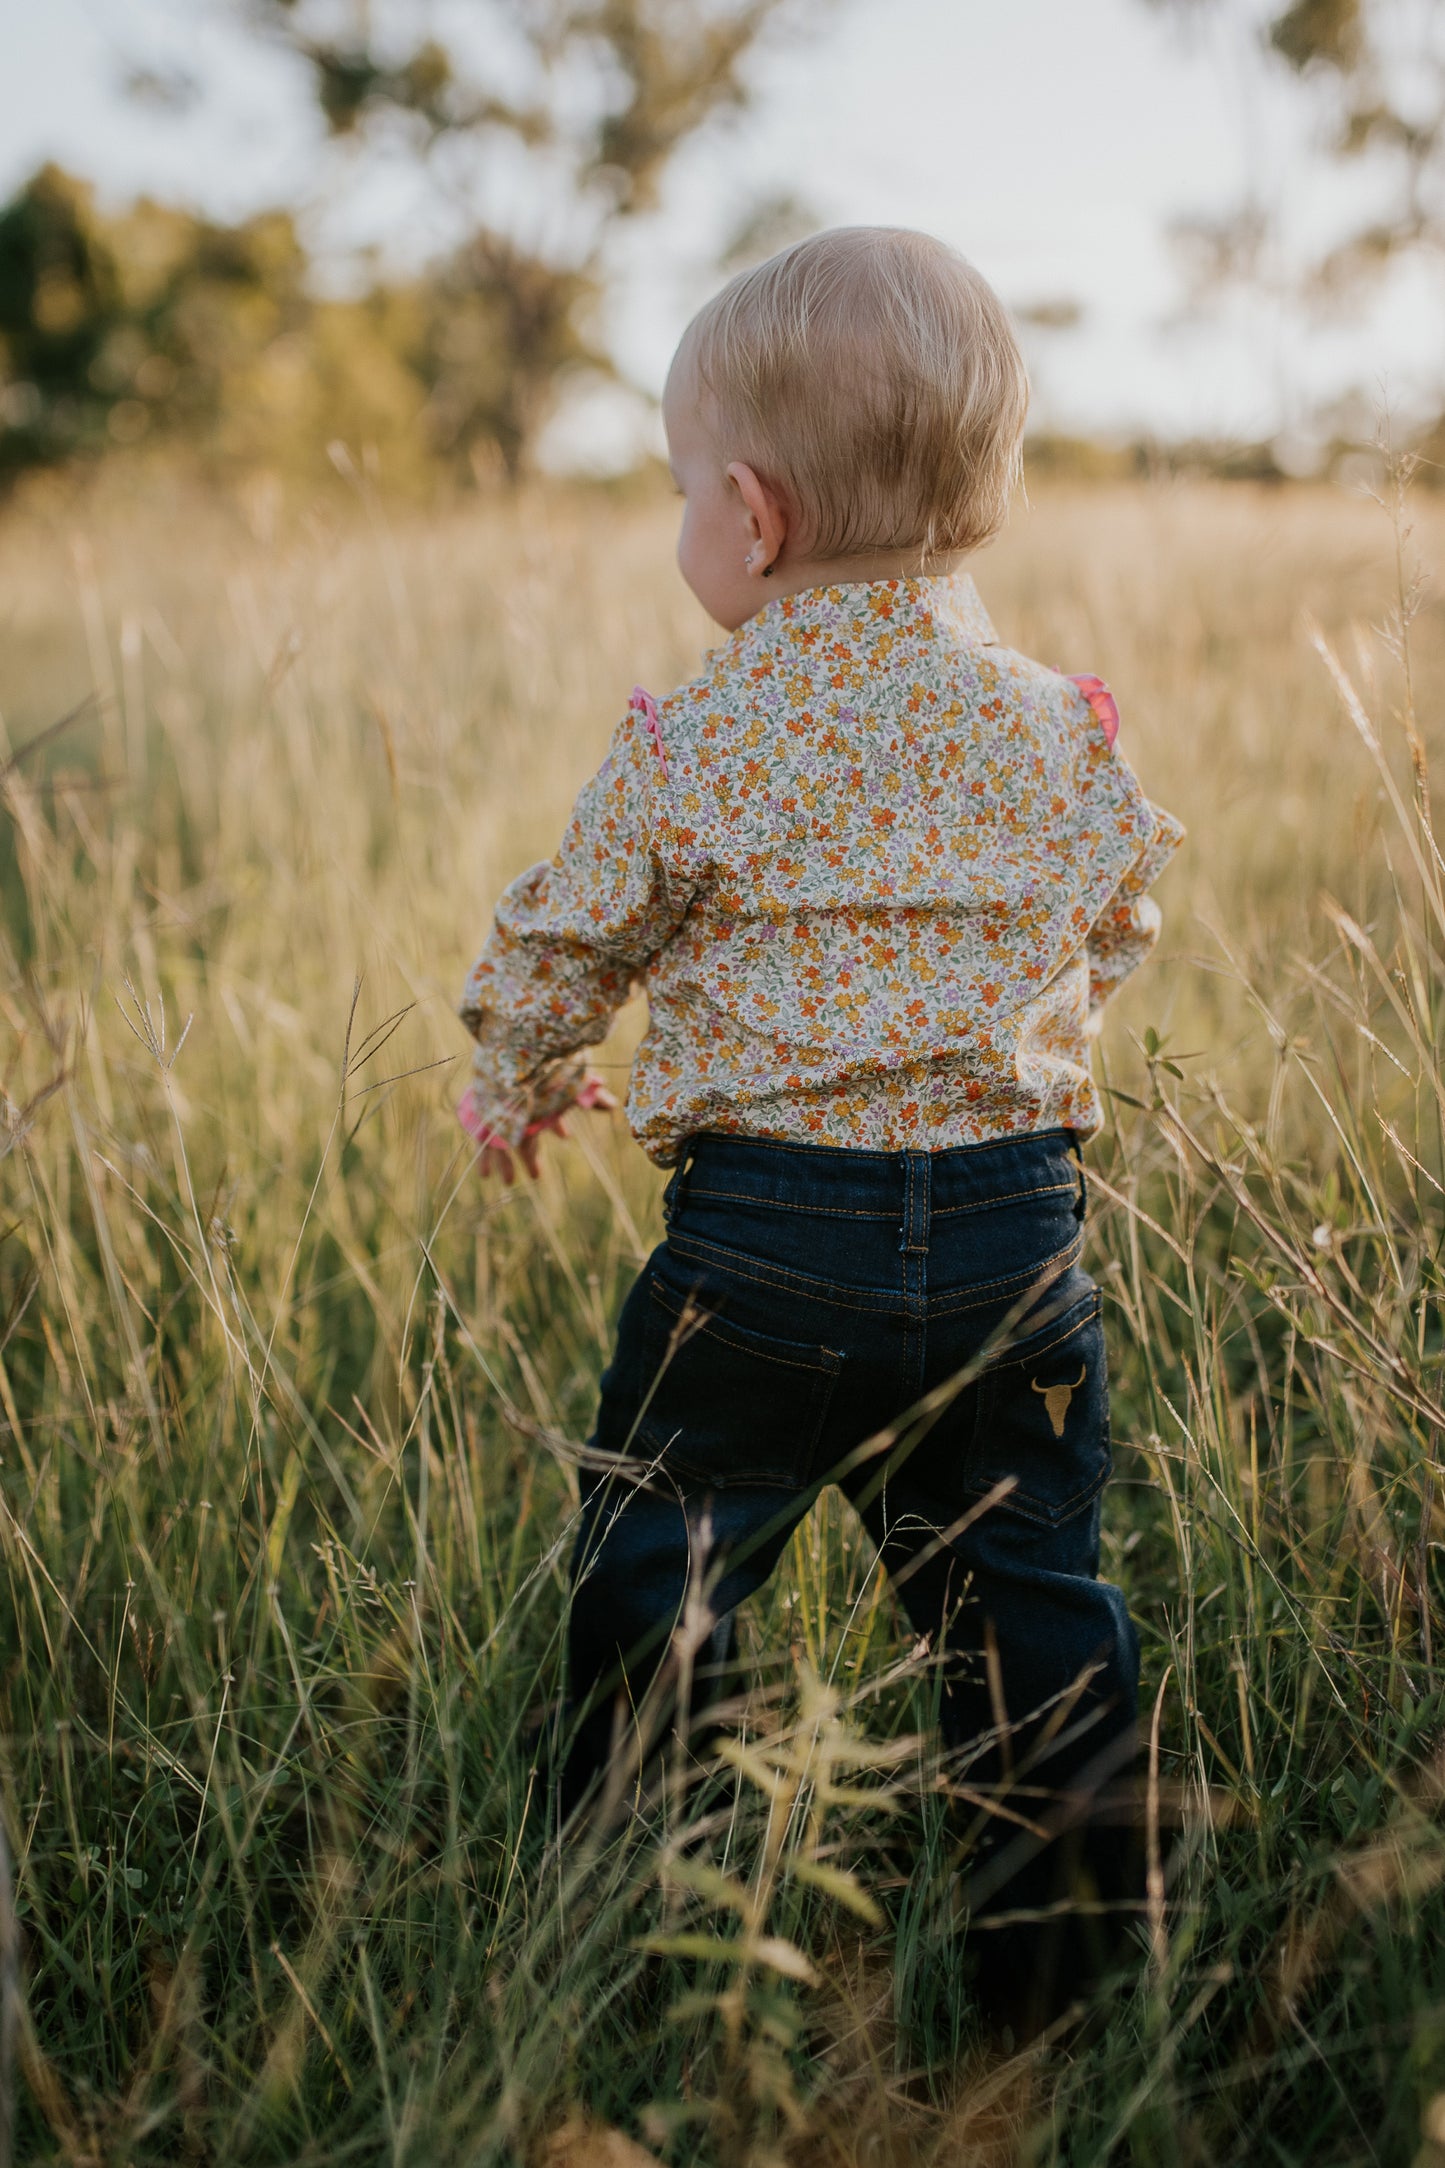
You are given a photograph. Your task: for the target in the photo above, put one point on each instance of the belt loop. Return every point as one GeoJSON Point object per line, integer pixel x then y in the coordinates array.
{"type": "Point", "coordinates": [917, 1202]}
{"type": "Point", "coordinates": [673, 1195]}
{"type": "Point", "coordinates": [1081, 1204]}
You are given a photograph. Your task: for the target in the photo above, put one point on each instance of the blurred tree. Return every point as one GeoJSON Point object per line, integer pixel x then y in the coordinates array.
{"type": "Point", "coordinates": [59, 302]}
{"type": "Point", "coordinates": [155, 322]}
{"type": "Point", "coordinates": [1378, 68]}
{"type": "Point", "coordinates": [570, 110]}
{"type": "Point", "coordinates": [771, 222]}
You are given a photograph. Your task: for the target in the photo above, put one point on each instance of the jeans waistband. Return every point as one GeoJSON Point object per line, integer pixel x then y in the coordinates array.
{"type": "Point", "coordinates": [910, 1189]}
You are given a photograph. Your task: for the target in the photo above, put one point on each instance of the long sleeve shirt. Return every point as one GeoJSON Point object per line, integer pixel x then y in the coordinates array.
{"type": "Point", "coordinates": [876, 872]}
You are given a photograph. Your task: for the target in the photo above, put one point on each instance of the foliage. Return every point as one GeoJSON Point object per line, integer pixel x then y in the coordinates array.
{"type": "Point", "coordinates": [590, 101]}
{"type": "Point", "coordinates": [160, 324]}
{"type": "Point", "coordinates": [496, 330]}
{"type": "Point", "coordinates": [604, 90]}
{"type": "Point", "coordinates": [58, 297]}
{"type": "Point", "coordinates": [1319, 33]}
{"type": "Point", "coordinates": [284, 1491]}
{"type": "Point", "coordinates": [156, 324]}
{"type": "Point", "coordinates": [1378, 67]}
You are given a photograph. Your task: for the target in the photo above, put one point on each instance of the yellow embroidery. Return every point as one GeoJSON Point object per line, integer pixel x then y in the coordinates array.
{"type": "Point", "coordinates": [1057, 1398]}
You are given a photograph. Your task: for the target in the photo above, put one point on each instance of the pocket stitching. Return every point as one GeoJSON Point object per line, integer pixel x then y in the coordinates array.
{"type": "Point", "coordinates": [1020, 1501]}
{"type": "Point", "coordinates": [1056, 1266]}
{"type": "Point", "coordinates": [1008, 1196]}
{"type": "Point", "coordinates": [975, 1294]}
{"type": "Point", "coordinates": [822, 1379]}
{"type": "Point", "coordinates": [1030, 1508]}
{"type": "Point", "coordinates": [1023, 1351]}
{"type": "Point", "coordinates": [778, 1204]}
{"type": "Point", "coordinates": [747, 1340]}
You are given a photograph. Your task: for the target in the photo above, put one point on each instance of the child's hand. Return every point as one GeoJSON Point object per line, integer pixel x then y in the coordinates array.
{"type": "Point", "coordinates": [494, 1157]}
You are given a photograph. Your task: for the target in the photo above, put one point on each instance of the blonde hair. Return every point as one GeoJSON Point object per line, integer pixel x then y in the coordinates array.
{"type": "Point", "coordinates": [873, 376]}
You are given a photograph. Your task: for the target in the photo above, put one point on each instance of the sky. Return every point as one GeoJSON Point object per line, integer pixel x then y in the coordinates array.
{"type": "Point", "coordinates": [1054, 141]}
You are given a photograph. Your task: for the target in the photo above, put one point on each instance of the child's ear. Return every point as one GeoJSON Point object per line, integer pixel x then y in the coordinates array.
{"type": "Point", "coordinates": [768, 521]}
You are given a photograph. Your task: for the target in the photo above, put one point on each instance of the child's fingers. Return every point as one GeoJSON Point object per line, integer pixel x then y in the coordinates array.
{"type": "Point", "coordinates": [494, 1159]}
{"type": "Point", "coordinates": [594, 1094]}
{"type": "Point", "coordinates": [471, 1118]}
{"type": "Point", "coordinates": [497, 1158]}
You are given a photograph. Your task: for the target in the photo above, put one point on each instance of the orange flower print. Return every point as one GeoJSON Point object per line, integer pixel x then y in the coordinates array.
{"type": "Point", "coordinates": [862, 830]}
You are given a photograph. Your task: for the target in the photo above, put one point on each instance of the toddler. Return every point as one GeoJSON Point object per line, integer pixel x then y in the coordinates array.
{"type": "Point", "coordinates": [877, 873]}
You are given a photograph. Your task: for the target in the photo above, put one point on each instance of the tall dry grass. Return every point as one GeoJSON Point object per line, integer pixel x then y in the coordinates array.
{"type": "Point", "coordinates": [284, 1553]}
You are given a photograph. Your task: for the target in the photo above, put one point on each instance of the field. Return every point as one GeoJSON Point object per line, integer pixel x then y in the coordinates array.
{"type": "Point", "coordinates": [287, 1397]}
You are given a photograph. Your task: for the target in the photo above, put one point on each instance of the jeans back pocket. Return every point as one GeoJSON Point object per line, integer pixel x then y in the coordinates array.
{"type": "Point", "coordinates": [1043, 1418]}
{"type": "Point", "coordinates": [728, 1405]}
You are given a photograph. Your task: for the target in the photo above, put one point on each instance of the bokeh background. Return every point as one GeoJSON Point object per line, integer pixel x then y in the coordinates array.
{"type": "Point", "coordinates": [468, 232]}
{"type": "Point", "coordinates": [333, 538]}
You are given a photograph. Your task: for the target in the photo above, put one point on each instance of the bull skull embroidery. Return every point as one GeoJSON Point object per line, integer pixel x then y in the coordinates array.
{"type": "Point", "coordinates": [1057, 1398]}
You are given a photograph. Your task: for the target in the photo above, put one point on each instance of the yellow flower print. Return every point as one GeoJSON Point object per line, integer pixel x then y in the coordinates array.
{"type": "Point", "coordinates": [875, 872]}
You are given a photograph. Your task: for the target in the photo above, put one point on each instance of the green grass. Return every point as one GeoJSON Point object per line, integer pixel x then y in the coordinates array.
{"type": "Point", "coordinates": [283, 1533]}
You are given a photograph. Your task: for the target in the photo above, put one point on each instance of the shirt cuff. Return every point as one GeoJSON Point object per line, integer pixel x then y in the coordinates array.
{"type": "Point", "coordinates": [494, 1115]}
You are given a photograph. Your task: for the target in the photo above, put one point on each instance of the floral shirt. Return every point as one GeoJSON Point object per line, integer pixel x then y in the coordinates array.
{"type": "Point", "coordinates": [876, 872]}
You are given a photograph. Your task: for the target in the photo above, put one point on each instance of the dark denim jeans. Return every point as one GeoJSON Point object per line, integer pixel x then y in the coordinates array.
{"type": "Point", "coordinates": [809, 1302]}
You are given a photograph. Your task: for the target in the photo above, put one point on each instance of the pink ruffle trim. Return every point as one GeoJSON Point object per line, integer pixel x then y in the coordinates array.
{"type": "Point", "coordinates": [648, 705]}
{"type": "Point", "coordinates": [1102, 701]}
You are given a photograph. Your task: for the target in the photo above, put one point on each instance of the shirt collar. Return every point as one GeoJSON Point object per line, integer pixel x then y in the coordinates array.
{"type": "Point", "coordinates": [955, 602]}
{"type": "Point", "coordinates": [950, 601]}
